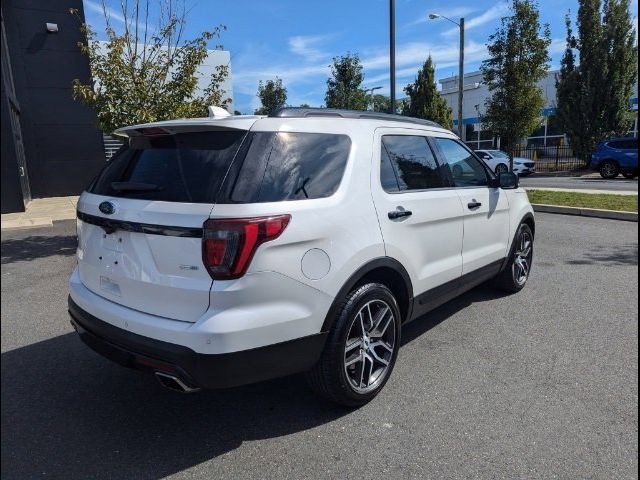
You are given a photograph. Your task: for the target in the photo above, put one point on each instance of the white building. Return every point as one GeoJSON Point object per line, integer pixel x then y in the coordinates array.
{"type": "Point", "coordinates": [473, 107]}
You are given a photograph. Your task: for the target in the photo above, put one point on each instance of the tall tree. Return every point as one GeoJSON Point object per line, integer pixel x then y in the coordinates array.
{"type": "Point", "coordinates": [143, 73]}
{"type": "Point", "coordinates": [273, 95]}
{"type": "Point", "coordinates": [424, 99]}
{"type": "Point", "coordinates": [593, 94]}
{"type": "Point", "coordinates": [518, 60]}
{"type": "Point", "coordinates": [344, 87]}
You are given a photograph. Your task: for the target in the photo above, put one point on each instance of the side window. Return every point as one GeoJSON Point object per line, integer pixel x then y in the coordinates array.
{"type": "Point", "coordinates": [288, 166]}
{"type": "Point", "coordinates": [466, 170]}
{"type": "Point", "coordinates": [630, 144]}
{"type": "Point", "coordinates": [410, 160]}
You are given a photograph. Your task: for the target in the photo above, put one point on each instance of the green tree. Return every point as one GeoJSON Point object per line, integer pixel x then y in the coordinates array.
{"type": "Point", "coordinates": [518, 60]}
{"type": "Point", "coordinates": [272, 95]}
{"type": "Point", "coordinates": [344, 87]}
{"type": "Point", "coordinates": [379, 102]}
{"type": "Point", "coordinates": [594, 87]}
{"type": "Point", "coordinates": [424, 100]}
{"type": "Point", "coordinates": [142, 74]}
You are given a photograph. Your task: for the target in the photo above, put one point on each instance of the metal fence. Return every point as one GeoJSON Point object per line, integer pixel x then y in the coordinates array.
{"type": "Point", "coordinates": [556, 158]}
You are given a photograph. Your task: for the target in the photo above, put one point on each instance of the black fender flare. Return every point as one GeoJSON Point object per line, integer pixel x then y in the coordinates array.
{"type": "Point", "coordinates": [358, 275]}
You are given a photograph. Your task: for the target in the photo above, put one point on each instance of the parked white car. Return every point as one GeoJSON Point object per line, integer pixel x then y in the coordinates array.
{"type": "Point", "coordinates": [217, 252]}
{"type": "Point", "coordinates": [498, 161]}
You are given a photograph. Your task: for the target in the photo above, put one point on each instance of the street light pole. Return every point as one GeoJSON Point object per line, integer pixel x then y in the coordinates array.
{"type": "Point", "coordinates": [392, 53]}
{"type": "Point", "coordinates": [370, 91]}
{"type": "Point", "coordinates": [460, 25]}
{"type": "Point", "coordinates": [461, 75]}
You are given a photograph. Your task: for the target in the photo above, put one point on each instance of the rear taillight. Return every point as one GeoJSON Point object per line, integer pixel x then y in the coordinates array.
{"type": "Point", "coordinates": [228, 244]}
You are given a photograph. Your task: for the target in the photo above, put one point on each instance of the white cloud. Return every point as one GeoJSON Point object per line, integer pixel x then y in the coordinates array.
{"type": "Point", "coordinates": [497, 11]}
{"type": "Point", "coordinates": [307, 46]}
{"type": "Point", "coordinates": [415, 53]}
{"type": "Point", "coordinates": [97, 8]}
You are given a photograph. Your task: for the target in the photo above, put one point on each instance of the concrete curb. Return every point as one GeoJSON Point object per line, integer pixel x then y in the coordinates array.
{"type": "Point", "coordinates": [22, 223]}
{"type": "Point", "coordinates": [587, 212]}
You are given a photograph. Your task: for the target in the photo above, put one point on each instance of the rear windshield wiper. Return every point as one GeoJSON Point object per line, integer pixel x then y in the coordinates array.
{"type": "Point", "coordinates": [135, 187]}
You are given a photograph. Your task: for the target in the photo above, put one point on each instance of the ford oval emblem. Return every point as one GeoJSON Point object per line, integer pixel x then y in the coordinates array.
{"type": "Point", "coordinates": [107, 208]}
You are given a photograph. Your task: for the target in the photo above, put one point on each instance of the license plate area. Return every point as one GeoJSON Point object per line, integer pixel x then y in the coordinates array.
{"type": "Point", "coordinates": [109, 286]}
{"type": "Point", "coordinates": [114, 242]}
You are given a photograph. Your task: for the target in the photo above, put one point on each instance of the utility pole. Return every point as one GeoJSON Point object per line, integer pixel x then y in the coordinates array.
{"type": "Point", "coordinates": [461, 74]}
{"type": "Point", "coordinates": [460, 25]}
{"type": "Point", "coordinates": [392, 53]}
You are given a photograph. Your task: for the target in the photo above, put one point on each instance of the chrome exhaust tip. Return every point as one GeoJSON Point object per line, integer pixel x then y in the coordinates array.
{"type": "Point", "coordinates": [174, 383]}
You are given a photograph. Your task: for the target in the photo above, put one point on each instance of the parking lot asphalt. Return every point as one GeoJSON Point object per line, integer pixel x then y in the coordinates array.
{"type": "Point", "coordinates": [541, 384]}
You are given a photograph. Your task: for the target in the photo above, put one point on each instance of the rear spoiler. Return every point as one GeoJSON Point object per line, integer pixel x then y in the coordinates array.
{"type": "Point", "coordinates": [169, 127]}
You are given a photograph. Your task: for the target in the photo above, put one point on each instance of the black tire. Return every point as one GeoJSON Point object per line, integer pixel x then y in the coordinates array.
{"type": "Point", "coordinates": [501, 168]}
{"type": "Point", "coordinates": [329, 377]}
{"type": "Point", "coordinates": [509, 279]}
{"type": "Point", "coordinates": [630, 175]}
{"type": "Point", "coordinates": [609, 169]}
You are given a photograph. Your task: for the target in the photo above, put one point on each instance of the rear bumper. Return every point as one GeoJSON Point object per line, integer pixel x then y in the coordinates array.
{"type": "Point", "coordinates": [196, 369]}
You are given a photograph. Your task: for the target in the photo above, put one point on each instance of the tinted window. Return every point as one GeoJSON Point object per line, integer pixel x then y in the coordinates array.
{"type": "Point", "coordinates": [467, 171]}
{"type": "Point", "coordinates": [185, 167]}
{"type": "Point", "coordinates": [388, 178]}
{"type": "Point", "coordinates": [288, 166]}
{"type": "Point", "coordinates": [411, 162]}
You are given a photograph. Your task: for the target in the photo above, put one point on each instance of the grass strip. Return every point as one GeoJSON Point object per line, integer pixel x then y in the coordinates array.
{"type": "Point", "coordinates": [604, 201]}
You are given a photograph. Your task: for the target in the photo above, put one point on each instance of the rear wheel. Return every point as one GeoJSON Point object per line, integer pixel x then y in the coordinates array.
{"type": "Point", "coordinates": [361, 349]}
{"type": "Point", "coordinates": [501, 168]}
{"type": "Point", "coordinates": [516, 273]}
{"type": "Point", "coordinates": [609, 169]}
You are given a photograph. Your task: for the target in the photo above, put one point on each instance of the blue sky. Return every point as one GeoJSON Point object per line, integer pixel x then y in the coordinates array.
{"type": "Point", "coordinates": [296, 39]}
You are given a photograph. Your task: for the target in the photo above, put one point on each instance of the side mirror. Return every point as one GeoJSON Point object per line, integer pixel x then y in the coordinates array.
{"type": "Point", "coordinates": [508, 180]}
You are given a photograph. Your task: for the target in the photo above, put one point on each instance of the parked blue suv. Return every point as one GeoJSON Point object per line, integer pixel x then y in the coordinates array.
{"type": "Point", "coordinates": [616, 155]}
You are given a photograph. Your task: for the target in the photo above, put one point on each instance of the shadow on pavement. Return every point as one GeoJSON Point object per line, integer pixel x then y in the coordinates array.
{"type": "Point", "coordinates": [423, 324]}
{"type": "Point", "coordinates": [69, 413]}
{"type": "Point", "coordinates": [34, 247]}
{"type": "Point", "coordinates": [606, 255]}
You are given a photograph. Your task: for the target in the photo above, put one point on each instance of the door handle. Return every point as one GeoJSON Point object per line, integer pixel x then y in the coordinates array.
{"type": "Point", "coordinates": [399, 214]}
{"type": "Point", "coordinates": [473, 205]}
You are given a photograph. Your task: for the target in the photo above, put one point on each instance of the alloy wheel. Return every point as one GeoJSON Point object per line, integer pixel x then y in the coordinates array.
{"type": "Point", "coordinates": [370, 346]}
{"type": "Point", "coordinates": [608, 169]}
{"type": "Point", "coordinates": [522, 258]}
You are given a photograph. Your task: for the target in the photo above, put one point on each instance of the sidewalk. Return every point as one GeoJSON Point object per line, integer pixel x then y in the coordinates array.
{"type": "Point", "coordinates": [583, 190]}
{"type": "Point", "coordinates": [41, 212]}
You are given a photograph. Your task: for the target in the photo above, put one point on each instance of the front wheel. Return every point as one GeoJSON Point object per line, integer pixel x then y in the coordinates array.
{"type": "Point", "coordinates": [361, 348]}
{"type": "Point", "coordinates": [516, 273]}
{"type": "Point", "coordinates": [609, 169]}
{"type": "Point", "coordinates": [501, 168]}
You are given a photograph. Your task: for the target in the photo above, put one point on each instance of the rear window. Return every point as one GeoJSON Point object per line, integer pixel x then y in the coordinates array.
{"type": "Point", "coordinates": [186, 167]}
{"type": "Point", "coordinates": [257, 166]}
{"type": "Point", "coordinates": [281, 166]}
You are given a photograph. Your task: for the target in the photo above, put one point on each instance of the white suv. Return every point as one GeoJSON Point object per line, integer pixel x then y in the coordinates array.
{"type": "Point", "coordinates": [216, 252]}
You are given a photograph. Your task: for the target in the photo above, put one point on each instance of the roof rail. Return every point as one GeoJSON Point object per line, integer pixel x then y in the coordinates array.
{"type": "Point", "coordinates": [296, 112]}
